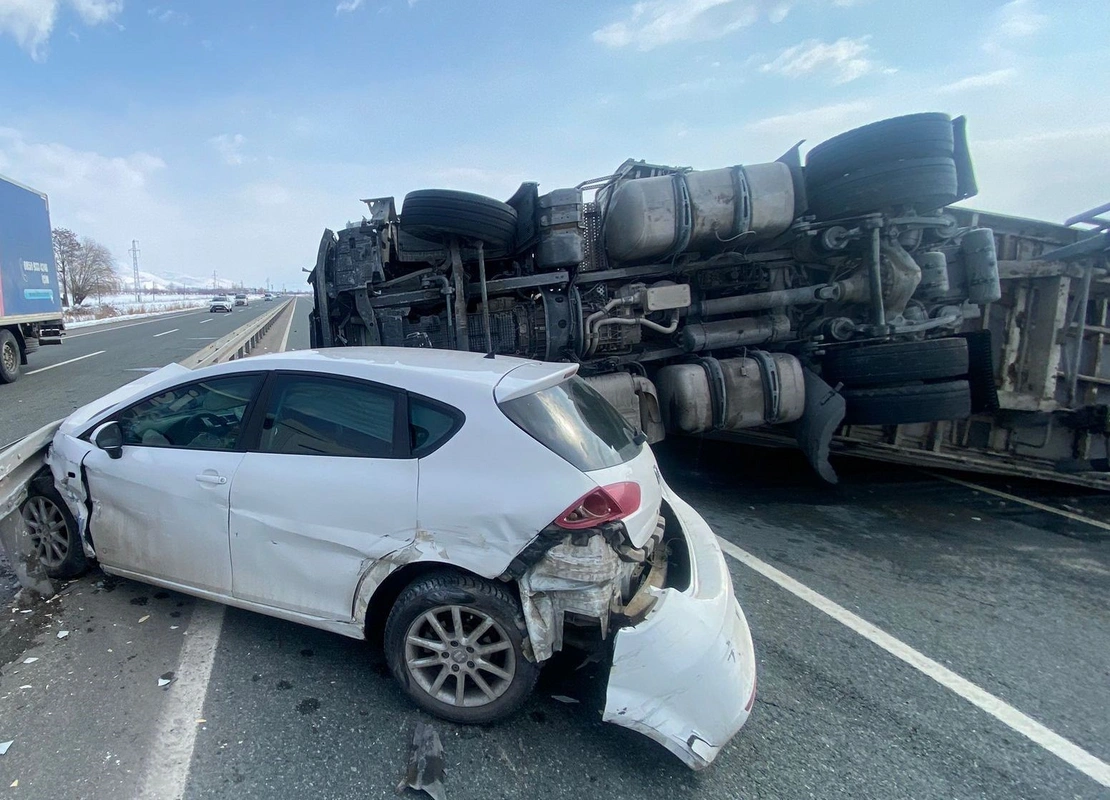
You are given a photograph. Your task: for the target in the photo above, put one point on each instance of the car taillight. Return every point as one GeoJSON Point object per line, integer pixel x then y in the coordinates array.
{"type": "Point", "coordinates": [603, 504]}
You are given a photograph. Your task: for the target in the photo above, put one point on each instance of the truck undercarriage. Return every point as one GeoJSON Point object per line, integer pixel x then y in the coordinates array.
{"type": "Point", "coordinates": [781, 299]}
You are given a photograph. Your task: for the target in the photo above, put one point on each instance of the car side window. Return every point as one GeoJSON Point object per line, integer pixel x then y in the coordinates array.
{"type": "Point", "coordinates": [316, 415]}
{"type": "Point", "coordinates": [205, 415]}
{"type": "Point", "coordinates": [431, 424]}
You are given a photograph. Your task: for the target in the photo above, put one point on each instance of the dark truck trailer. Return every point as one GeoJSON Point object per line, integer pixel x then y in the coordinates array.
{"type": "Point", "coordinates": [833, 304]}
{"type": "Point", "coordinates": [30, 296]}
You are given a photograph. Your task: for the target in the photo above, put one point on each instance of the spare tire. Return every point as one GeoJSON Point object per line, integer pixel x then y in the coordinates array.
{"type": "Point", "coordinates": [439, 214]}
{"type": "Point", "coordinates": [900, 405]}
{"type": "Point", "coordinates": [899, 362]}
{"type": "Point", "coordinates": [912, 136]}
{"type": "Point", "coordinates": [923, 183]}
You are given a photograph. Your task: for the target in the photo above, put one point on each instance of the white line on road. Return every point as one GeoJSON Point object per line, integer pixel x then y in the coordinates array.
{"type": "Point", "coordinates": [158, 318]}
{"type": "Point", "coordinates": [1031, 503]}
{"type": "Point", "coordinates": [166, 333]}
{"type": "Point", "coordinates": [171, 751]}
{"type": "Point", "coordinates": [289, 327]}
{"type": "Point", "coordinates": [205, 321]}
{"type": "Point", "coordinates": [63, 363]}
{"type": "Point", "coordinates": [1073, 754]}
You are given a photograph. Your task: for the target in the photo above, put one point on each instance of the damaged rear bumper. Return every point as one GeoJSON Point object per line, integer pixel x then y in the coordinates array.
{"type": "Point", "coordinates": [685, 675]}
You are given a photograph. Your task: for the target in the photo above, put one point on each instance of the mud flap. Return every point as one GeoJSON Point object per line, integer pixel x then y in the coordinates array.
{"type": "Point", "coordinates": [814, 431]}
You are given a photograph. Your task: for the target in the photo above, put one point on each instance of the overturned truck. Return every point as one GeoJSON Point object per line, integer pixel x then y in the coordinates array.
{"type": "Point", "coordinates": [840, 304]}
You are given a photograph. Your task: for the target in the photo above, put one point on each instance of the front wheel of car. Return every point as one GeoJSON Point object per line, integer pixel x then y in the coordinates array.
{"type": "Point", "coordinates": [455, 643]}
{"type": "Point", "coordinates": [53, 531]}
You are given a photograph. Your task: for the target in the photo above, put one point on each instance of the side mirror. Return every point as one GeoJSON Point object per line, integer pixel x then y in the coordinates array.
{"type": "Point", "coordinates": [109, 438]}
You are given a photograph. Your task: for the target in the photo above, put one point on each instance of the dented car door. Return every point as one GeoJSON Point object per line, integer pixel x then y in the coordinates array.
{"type": "Point", "coordinates": [160, 509]}
{"type": "Point", "coordinates": [326, 489]}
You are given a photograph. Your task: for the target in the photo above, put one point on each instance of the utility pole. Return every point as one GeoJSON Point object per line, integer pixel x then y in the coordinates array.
{"type": "Point", "coordinates": [135, 269]}
{"type": "Point", "coordinates": [214, 284]}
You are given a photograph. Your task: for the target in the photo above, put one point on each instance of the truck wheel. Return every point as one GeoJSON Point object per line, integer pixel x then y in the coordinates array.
{"type": "Point", "coordinates": [9, 357]}
{"type": "Point", "coordinates": [924, 183]}
{"type": "Point", "coordinates": [455, 643]}
{"type": "Point", "coordinates": [899, 405]}
{"type": "Point", "coordinates": [928, 135]}
{"type": "Point", "coordinates": [900, 362]}
{"type": "Point", "coordinates": [438, 214]}
{"type": "Point", "coordinates": [53, 531]}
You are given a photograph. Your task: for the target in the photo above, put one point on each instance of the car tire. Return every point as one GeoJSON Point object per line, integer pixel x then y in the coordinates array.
{"type": "Point", "coordinates": [899, 362]}
{"type": "Point", "coordinates": [900, 405]}
{"type": "Point", "coordinates": [48, 517]}
{"type": "Point", "coordinates": [417, 668]}
{"type": "Point", "coordinates": [439, 214]}
{"type": "Point", "coordinates": [928, 135]}
{"type": "Point", "coordinates": [923, 183]}
{"type": "Point", "coordinates": [10, 357]}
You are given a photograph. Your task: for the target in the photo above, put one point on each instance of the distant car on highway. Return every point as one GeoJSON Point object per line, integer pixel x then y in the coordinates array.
{"type": "Point", "coordinates": [221, 302]}
{"type": "Point", "coordinates": [268, 297]}
{"type": "Point", "coordinates": [483, 512]}
{"type": "Point", "coordinates": [240, 299]}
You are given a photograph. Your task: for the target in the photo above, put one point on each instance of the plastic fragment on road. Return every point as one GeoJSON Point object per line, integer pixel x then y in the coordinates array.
{"type": "Point", "coordinates": [144, 619]}
{"type": "Point", "coordinates": [425, 769]}
{"type": "Point", "coordinates": [5, 745]}
{"type": "Point", "coordinates": [30, 660]}
{"type": "Point", "coordinates": [63, 634]}
{"type": "Point", "coordinates": [165, 679]}
{"type": "Point", "coordinates": [14, 784]}
{"type": "Point", "coordinates": [26, 686]}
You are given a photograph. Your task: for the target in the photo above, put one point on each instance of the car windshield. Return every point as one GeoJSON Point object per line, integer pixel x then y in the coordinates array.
{"type": "Point", "coordinates": [219, 299]}
{"type": "Point", "coordinates": [572, 420]}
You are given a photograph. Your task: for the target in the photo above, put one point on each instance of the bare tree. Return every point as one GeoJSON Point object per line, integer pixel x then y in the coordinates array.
{"type": "Point", "coordinates": [92, 271]}
{"type": "Point", "coordinates": [66, 248]}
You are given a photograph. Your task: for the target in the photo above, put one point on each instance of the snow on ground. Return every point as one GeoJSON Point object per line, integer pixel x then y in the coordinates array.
{"type": "Point", "coordinates": [117, 308]}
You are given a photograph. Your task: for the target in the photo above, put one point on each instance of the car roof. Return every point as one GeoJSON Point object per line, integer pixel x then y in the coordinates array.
{"type": "Point", "coordinates": [418, 368]}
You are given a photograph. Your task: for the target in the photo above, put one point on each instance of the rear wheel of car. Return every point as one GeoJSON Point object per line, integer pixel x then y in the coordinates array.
{"type": "Point", "coordinates": [900, 405]}
{"type": "Point", "coordinates": [9, 357]}
{"type": "Point", "coordinates": [922, 183]}
{"type": "Point", "coordinates": [928, 135]}
{"type": "Point", "coordinates": [899, 362]}
{"type": "Point", "coordinates": [455, 644]}
{"type": "Point", "coordinates": [438, 214]}
{"type": "Point", "coordinates": [53, 531]}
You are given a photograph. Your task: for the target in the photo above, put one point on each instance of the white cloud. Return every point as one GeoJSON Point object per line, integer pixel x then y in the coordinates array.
{"type": "Point", "coordinates": [843, 60]}
{"type": "Point", "coordinates": [982, 80]}
{"type": "Point", "coordinates": [168, 15]}
{"type": "Point", "coordinates": [94, 12]}
{"type": "Point", "coordinates": [651, 23]}
{"type": "Point", "coordinates": [30, 23]}
{"type": "Point", "coordinates": [835, 118]}
{"type": "Point", "coordinates": [1014, 22]}
{"type": "Point", "coordinates": [347, 6]}
{"type": "Point", "coordinates": [230, 148]}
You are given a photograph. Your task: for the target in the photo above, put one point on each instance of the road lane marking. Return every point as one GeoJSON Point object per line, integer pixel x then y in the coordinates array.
{"type": "Point", "coordinates": [289, 327]}
{"type": "Point", "coordinates": [1073, 754]}
{"type": "Point", "coordinates": [175, 737]}
{"type": "Point", "coordinates": [157, 318]}
{"type": "Point", "coordinates": [1015, 498]}
{"type": "Point", "coordinates": [63, 363]}
{"type": "Point", "coordinates": [166, 333]}
{"type": "Point", "coordinates": [203, 321]}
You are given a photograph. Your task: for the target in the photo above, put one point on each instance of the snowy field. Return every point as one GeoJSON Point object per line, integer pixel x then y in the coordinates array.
{"type": "Point", "coordinates": [119, 307]}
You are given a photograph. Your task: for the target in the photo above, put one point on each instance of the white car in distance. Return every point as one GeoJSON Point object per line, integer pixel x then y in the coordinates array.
{"type": "Point", "coordinates": [490, 510]}
{"type": "Point", "coordinates": [221, 302]}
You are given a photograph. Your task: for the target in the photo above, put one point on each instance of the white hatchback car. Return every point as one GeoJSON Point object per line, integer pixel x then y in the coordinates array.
{"type": "Point", "coordinates": [489, 510]}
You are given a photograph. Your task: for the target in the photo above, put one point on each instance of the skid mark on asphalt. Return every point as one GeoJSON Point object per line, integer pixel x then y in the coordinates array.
{"type": "Point", "coordinates": [1073, 754]}
{"type": "Point", "coordinates": [175, 736]}
{"type": "Point", "coordinates": [63, 363]}
{"type": "Point", "coordinates": [1016, 499]}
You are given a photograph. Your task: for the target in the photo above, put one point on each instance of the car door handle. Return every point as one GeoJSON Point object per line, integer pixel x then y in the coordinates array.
{"type": "Point", "coordinates": [204, 477]}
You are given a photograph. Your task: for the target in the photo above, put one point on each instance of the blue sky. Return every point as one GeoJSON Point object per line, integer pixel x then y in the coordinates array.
{"type": "Point", "coordinates": [226, 135]}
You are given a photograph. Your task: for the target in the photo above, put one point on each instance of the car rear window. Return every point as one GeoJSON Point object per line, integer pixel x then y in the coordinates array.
{"type": "Point", "coordinates": [573, 421]}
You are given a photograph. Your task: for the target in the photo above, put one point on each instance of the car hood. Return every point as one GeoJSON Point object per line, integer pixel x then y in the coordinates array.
{"type": "Point", "coordinates": [80, 418]}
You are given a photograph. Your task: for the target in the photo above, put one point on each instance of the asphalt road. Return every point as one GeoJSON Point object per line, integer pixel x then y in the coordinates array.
{"type": "Point", "coordinates": [1016, 601]}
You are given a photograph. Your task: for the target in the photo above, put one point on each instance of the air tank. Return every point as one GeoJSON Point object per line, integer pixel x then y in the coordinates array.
{"type": "Point", "coordinates": [699, 211]}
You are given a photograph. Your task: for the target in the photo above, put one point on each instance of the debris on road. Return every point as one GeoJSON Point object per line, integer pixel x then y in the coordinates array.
{"type": "Point", "coordinates": [425, 770]}
{"type": "Point", "coordinates": [165, 679]}
{"type": "Point", "coordinates": [562, 698]}
{"type": "Point", "coordinates": [63, 634]}
{"type": "Point", "coordinates": [30, 660]}
{"type": "Point", "coordinates": [5, 745]}
{"type": "Point", "coordinates": [144, 619]}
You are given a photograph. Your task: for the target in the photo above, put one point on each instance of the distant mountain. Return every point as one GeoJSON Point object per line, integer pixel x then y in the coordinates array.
{"type": "Point", "coordinates": [167, 281]}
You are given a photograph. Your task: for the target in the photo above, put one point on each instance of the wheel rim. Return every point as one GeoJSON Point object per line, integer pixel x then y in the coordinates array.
{"type": "Point", "coordinates": [10, 357]}
{"type": "Point", "coordinates": [460, 656]}
{"type": "Point", "coordinates": [49, 532]}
